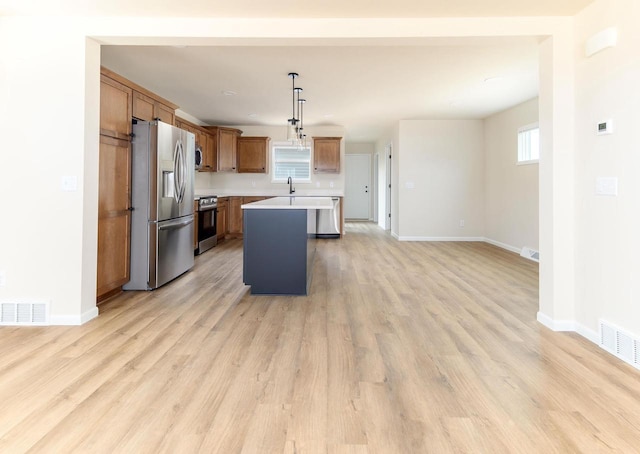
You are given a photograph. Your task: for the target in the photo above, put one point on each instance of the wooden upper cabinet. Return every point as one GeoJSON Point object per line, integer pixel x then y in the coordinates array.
{"type": "Point", "coordinates": [142, 106]}
{"type": "Point", "coordinates": [115, 109]}
{"type": "Point", "coordinates": [226, 147]}
{"type": "Point", "coordinates": [252, 156]}
{"type": "Point", "coordinates": [326, 154]}
{"type": "Point", "coordinates": [164, 113]}
{"type": "Point", "coordinates": [205, 139]}
{"type": "Point", "coordinates": [210, 156]}
{"type": "Point", "coordinates": [147, 108]}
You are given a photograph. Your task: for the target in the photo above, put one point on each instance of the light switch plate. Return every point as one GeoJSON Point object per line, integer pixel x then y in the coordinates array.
{"type": "Point", "coordinates": [409, 185]}
{"type": "Point", "coordinates": [605, 127]}
{"type": "Point", "coordinates": [69, 183]}
{"type": "Point", "coordinates": [607, 186]}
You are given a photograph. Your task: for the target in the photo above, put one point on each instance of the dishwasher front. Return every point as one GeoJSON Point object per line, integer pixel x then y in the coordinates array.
{"type": "Point", "coordinates": [328, 221]}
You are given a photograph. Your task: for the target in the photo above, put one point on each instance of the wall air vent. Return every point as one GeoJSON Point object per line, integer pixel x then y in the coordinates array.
{"type": "Point", "coordinates": [35, 314]}
{"type": "Point", "coordinates": [620, 343]}
{"type": "Point", "coordinates": [530, 254]}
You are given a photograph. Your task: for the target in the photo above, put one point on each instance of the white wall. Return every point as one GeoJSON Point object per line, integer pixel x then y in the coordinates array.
{"type": "Point", "coordinates": [254, 183]}
{"type": "Point", "coordinates": [511, 191]}
{"type": "Point", "coordinates": [48, 96]}
{"type": "Point", "coordinates": [444, 162]}
{"type": "Point", "coordinates": [608, 228]}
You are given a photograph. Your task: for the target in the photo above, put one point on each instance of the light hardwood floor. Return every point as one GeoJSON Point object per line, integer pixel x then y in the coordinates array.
{"type": "Point", "coordinates": [401, 348]}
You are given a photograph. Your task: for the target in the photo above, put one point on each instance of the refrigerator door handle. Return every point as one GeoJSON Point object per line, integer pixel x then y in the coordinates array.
{"type": "Point", "coordinates": [176, 173]}
{"type": "Point", "coordinates": [183, 171]}
{"type": "Point", "coordinates": [180, 171]}
{"type": "Point", "coordinates": [176, 225]}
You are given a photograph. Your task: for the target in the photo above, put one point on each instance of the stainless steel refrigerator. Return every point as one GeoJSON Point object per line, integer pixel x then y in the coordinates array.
{"type": "Point", "coordinates": [163, 161]}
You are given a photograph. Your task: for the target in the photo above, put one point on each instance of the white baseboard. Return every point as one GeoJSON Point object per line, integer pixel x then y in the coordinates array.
{"type": "Point", "coordinates": [73, 320]}
{"type": "Point", "coordinates": [568, 325]}
{"type": "Point", "coordinates": [588, 333]}
{"type": "Point", "coordinates": [508, 247]}
{"type": "Point", "coordinates": [440, 238]}
{"type": "Point", "coordinates": [556, 325]}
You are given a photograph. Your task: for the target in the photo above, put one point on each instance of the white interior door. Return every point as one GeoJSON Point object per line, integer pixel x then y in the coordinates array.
{"type": "Point", "coordinates": [357, 194]}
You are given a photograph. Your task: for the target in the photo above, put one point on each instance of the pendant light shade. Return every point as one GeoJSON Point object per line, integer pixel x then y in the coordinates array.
{"type": "Point", "coordinates": [295, 127]}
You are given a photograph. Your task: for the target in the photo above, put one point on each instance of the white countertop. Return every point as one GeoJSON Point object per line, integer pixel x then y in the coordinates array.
{"type": "Point", "coordinates": [291, 203]}
{"type": "Point", "coordinates": [300, 192]}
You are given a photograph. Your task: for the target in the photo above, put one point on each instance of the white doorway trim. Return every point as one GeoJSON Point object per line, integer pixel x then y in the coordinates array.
{"type": "Point", "coordinates": [387, 204]}
{"type": "Point", "coordinates": [374, 187]}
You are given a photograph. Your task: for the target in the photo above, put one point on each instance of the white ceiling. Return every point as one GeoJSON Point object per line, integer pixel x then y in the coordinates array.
{"type": "Point", "coordinates": [297, 8]}
{"type": "Point", "coordinates": [367, 87]}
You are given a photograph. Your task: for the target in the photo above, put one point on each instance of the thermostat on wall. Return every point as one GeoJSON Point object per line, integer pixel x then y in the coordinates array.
{"type": "Point", "coordinates": [605, 127]}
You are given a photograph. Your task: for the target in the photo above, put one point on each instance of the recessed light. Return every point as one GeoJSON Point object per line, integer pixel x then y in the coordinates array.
{"type": "Point", "coordinates": [253, 115]}
{"type": "Point", "coordinates": [229, 92]}
{"type": "Point", "coordinates": [493, 79]}
{"type": "Point", "coordinates": [328, 115]}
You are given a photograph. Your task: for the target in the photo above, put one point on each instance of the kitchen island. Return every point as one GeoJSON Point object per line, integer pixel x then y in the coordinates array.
{"type": "Point", "coordinates": [279, 243]}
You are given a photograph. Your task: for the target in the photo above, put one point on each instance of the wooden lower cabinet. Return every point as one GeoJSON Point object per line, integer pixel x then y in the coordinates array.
{"type": "Point", "coordinates": [114, 217]}
{"type": "Point", "coordinates": [235, 217]}
{"type": "Point", "coordinates": [235, 213]}
{"type": "Point", "coordinates": [222, 219]}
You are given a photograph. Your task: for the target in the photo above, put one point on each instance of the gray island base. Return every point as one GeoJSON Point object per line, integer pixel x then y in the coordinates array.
{"type": "Point", "coordinates": [278, 246]}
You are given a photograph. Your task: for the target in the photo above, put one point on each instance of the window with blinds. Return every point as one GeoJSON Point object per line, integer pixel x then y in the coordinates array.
{"type": "Point", "coordinates": [528, 144]}
{"type": "Point", "coordinates": [291, 161]}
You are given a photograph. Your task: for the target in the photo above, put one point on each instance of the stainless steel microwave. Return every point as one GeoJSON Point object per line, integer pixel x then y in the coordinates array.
{"type": "Point", "coordinates": [198, 157]}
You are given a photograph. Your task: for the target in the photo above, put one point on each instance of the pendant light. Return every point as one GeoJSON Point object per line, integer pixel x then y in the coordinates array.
{"type": "Point", "coordinates": [293, 121]}
{"type": "Point", "coordinates": [295, 126]}
{"type": "Point", "coordinates": [302, 137]}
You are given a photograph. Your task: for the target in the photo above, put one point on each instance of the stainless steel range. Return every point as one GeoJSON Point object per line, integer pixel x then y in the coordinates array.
{"type": "Point", "coordinates": [207, 228]}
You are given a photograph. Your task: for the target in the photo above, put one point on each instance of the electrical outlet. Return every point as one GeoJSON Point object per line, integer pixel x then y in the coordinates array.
{"type": "Point", "coordinates": [331, 184]}
{"type": "Point", "coordinates": [317, 184]}
{"type": "Point", "coordinates": [461, 223]}
{"type": "Point", "coordinates": [253, 184]}
{"type": "Point", "coordinates": [3, 279]}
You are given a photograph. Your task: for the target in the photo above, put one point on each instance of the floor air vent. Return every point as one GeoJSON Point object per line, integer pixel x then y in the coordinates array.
{"type": "Point", "coordinates": [622, 344]}
{"type": "Point", "coordinates": [24, 314]}
{"type": "Point", "coordinates": [530, 254]}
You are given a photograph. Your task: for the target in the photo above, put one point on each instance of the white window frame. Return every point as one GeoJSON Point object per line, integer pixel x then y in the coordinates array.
{"type": "Point", "coordinates": [288, 145]}
{"type": "Point", "coordinates": [521, 130]}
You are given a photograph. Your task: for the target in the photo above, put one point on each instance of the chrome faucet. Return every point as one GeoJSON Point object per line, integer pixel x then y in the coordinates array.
{"type": "Point", "coordinates": [291, 188]}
